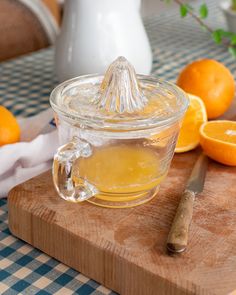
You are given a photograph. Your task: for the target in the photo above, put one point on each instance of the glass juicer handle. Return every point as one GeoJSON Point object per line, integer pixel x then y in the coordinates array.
{"type": "Point", "coordinates": [69, 189]}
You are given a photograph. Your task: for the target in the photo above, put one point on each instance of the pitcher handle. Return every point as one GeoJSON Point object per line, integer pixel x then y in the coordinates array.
{"type": "Point", "coordinates": [64, 159]}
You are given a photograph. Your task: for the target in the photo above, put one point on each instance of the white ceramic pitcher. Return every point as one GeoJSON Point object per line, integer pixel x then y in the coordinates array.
{"type": "Point", "coordinates": [94, 33]}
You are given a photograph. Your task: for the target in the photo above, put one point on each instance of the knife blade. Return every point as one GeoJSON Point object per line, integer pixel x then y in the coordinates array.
{"type": "Point", "coordinates": [197, 178]}
{"type": "Point", "coordinates": [178, 236]}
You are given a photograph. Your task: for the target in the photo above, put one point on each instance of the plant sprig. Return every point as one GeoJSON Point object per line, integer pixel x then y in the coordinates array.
{"type": "Point", "coordinates": [234, 4]}
{"type": "Point", "coordinates": [219, 36]}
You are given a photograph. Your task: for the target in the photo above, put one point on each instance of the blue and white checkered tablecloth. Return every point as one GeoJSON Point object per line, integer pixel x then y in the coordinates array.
{"type": "Point", "coordinates": [25, 85]}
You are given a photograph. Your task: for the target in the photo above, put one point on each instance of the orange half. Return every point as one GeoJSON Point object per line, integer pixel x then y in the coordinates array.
{"type": "Point", "coordinates": [218, 140]}
{"type": "Point", "coordinates": [195, 116]}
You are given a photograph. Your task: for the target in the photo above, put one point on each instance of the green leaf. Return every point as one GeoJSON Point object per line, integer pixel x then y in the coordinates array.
{"type": "Point", "coordinates": [183, 10]}
{"type": "Point", "coordinates": [234, 4]}
{"type": "Point", "coordinates": [225, 33]}
{"type": "Point", "coordinates": [217, 36]}
{"type": "Point", "coordinates": [203, 11]}
{"type": "Point", "coordinates": [233, 39]}
{"type": "Point", "coordinates": [232, 51]}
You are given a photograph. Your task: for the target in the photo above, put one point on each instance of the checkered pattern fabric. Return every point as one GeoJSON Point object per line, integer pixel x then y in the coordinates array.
{"type": "Point", "coordinates": [25, 270]}
{"type": "Point", "coordinates": [25, 85]}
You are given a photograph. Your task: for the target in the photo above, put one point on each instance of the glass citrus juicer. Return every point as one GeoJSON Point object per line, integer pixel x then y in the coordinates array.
{"type": "Point", "coordinates": [118, 133]}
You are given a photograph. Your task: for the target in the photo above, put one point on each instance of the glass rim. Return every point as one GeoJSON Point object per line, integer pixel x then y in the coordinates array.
{"type": "Point", "coordinates": [122, 125]}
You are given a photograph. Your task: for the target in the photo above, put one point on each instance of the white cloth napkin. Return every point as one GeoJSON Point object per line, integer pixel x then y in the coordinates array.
{"type": "Point", "coordinates": [30, 157]}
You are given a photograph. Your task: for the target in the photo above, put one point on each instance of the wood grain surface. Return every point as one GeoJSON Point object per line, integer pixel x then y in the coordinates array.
{"type": "Point", "coordinates": [125, 249]}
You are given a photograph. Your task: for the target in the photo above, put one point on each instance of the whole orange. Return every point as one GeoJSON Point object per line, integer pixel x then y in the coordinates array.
{"type": "Point", "coordinates": [212, 82]}
{"type": "Point", "coordinates": [9, 127]}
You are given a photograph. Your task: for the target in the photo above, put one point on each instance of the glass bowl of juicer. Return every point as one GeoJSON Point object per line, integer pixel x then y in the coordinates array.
{"type": "Point", "coordinates": [118, 133]}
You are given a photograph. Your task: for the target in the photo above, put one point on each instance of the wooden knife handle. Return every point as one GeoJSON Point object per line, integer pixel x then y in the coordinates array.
{"type": "Point", "coordinates": [178, 236]}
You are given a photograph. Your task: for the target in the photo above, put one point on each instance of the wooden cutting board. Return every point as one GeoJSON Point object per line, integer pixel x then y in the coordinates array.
{"type": "Point", "coordinates": [125, 249]}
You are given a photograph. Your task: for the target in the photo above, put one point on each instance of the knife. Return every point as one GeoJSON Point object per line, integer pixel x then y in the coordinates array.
{"type": "Point", "coordinates": [178, 236]}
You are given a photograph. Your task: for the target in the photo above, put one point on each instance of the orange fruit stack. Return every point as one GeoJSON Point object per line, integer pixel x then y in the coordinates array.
{"type": "Point", "coordinates": [218, 140]}
{"type": "Point", "coordinates": [9, 127]}
{"type": "Point", "coordinates": [212, 82]}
